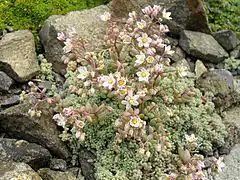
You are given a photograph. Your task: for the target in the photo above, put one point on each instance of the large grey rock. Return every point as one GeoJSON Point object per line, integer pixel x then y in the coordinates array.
{"type": "Point", "coordinates": [87, 24]}
{"type": "Point", "coordinates": [48, 174]}
{"type": "Point", "coordinates": [17, 171]}
{"type": "Point", "coordinates": [227, 39]}
{"type": "Point", "coordinates": [21, 151]}
{"type": "Point", "coordinates": [18, 56]}
{"type": "Point", "coordinates": [235, 53]}
{"type": "Point", "coordinates": [16, 123]}
{"type": "Point", "coordinates": [186, 14]}
{"type": "Point", "coordinates": [5, 82]}
{"type": "Point", "coordinates": [87, 159]}
{"type": "Point", "coordinates": [232, 165]}
{"type": "Point", "coordinates": [202, 46]}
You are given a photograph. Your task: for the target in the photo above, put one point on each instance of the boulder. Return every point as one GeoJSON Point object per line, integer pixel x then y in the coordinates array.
{"type": "Point", "coordinates": [202, 46]}
{"type": "Point", "coordinates": [227, 39]}
{"type": "Point", "coordinates": [87, 24]}
{"type": "Point", "coordinates": [17, 171]}
{"type": "Point", "coordinates": [48, 174]}
{"type": "Point", "coordinates": [199, 68]}
{"type": "Point", "coordinates": [18, 56]}
{"type": "Point", "coordinates": [87, 159]}
{"type": "Point", "coordinates": [21, 151]}
{"type": "Point", "coordinates": [235, 53]}
{"type": "Point", "coordinates": [6, 82]}
{"type": "Point", "coordinates": [16, 123]}
{"type": "Point", "coordinates": [58, 164]}
{"type": "Point", "coordinates": [186, 14]}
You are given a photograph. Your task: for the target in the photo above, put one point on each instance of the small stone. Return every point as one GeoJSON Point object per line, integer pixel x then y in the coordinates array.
{"type": "Point", "coordinates": [178, 55]}
{"type": "Point", "coordinates": [5, 82]}
{"type": "Point", "coordinates": [58, 164]}
{"type": "Point", "coordinates": [8, 100]}
{"type": "Point", "coordinates": [227, 39]}
{"type": "Point", "coordinates": [200, 68]}
{"type": "Point", "coordinates": [202, 46]}
{"type": "Point", "coordinates": [235, 53]}
{"type": "Point", "coordinates": [182, 63]}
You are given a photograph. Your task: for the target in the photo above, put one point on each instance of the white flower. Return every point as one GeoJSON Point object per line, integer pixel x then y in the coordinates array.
{"type": "Point", "coordinates": [83, 72]}
{"type": "Point", "coordinates": [61, 36]}
{"type": "Point", "coordinates": [142, 93]}
{"type": "Point", "coordinates": [159, 68]}
{"type": "Point", "coordinates": [122, 91]}
{"type": "Point", "coordinates": [156, 10]}
{"type": "Point", "coordinates": [163, 28]}
{"type": "Point", "coordinates": [80, 124]}
{"type": "Point", "coordinates": [106, 16]}
{"type": "Point", "coordinates": [168, 50]}
{"type": "Point", "coordinates": [61, 121]}
{"type": "Point", "coordinates": [130, 100]}
{"type": "Point", "coordinates": [150, 59]}
{"type": "Point", "coordinates": [147, 10]}
{"type": "Point", "coordinates": [73, 32]}
{"type": "Point", "coordinates": [133, 15]}
{"type": "Point", "coordinates": [140, 59]}
{"type": "Point", "coordinates": [91, 91]}
{"type": "Point", "coordinates": [182, 71]}
{"type": "Point", "coordinates": [135, 121]}
{"type": "Point", "coordinates": [220, 164]}
{"type": "Point", "coordinates": [144, 41]}
{"type": "Point", "coordinates": [109, 81]}
{"type": "Point", "coordinates": [68, 46]}
{"type": "Point", "coordinates": [166, 15]}
{"type": "Point", "coordinates": [87, 83]}
{"type": "Point", "coordinates": [191, 139]}
{"type": "Point", "coordinates": [143, 75]}
{"type": "Point", "coordinates": [121, 82]}
{"type": "Point", "coordinates": [127, 39]}
{"type": "Point", "coordinates": [142, 24]}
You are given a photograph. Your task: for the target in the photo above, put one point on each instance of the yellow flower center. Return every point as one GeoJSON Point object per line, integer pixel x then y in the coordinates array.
{"type": "Point", "coordinates": [85, 74]}
{"type": "Point", "coordinates": [144, 74]}
{"type": "Point", "coordinates": [135, 121]}
{"type": "Point", "coordinates": [150, 60]}
{"type": "Point", "coordinates": [144, 40]}
{"type": "Point", "coordinates": [121, 82]}
{"type": "Point", "coordinates": [131, 101]}
{"type": "Point", "coordinates": [122, 91]}
{"type": "Point", "coordinates": [180, 70]}
{"type": "Point", "coordinates": [110, 81]}
{"type": "Point", "coordinates": [81, 124]}
{"type": "Point", "coordinates": [128, 39]}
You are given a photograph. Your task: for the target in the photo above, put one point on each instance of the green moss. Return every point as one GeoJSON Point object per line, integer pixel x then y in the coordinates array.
{"type": "Point", "coordinates": [224, 15]}
{"type": "Point", "coordinates": [30, 14]}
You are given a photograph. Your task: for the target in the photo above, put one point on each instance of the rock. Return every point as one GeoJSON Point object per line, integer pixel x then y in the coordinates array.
{"type": "Point", "coordinates": [87, 159]}
{"type": "Point", "coordinates": [227, 39]}
{"type": "Point", "coordinates": [178, 55]}
{"type": "Point", "coordinates": [219, 81]}
{"type": "Point", "coordinates": [21, 151]}
{"type": "Point", "coordinates": [58, 164]}
{"type": "Point", "coordinates": [76, 171]}
{"type": "Point", "coordinates": [6, 82]}
{"type": "Point", "coordinates": [17, 55]}
{"type": "Point", "coordinates": [199, 68]}
{"type": "Point", "coordinates": [48, 174]}
{"type": "Point", "coordinates": [202, 46]}
{"type": "Point", "coordinates": [187, 14]}
{"type": "Point", "coordinates": [235, 53]}
{"type": "Point", "coordinates": [90, 27]}
{"type": "Point", "coordinates": [16, 123]}
{"type": "Point", "coordinates": [232, 164]}
{"type": "Point", "coordinates": [182, 63]}
{"type": "Point", "coordinates": [8, 100]}
{"type": "Point", "coordinates": [17, 171]}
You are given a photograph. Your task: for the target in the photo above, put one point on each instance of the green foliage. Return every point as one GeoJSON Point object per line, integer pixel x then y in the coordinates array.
{"type": "Point", "coordinates": [30, 14]}
{"type": "Point", "coordinates": [224, 14]}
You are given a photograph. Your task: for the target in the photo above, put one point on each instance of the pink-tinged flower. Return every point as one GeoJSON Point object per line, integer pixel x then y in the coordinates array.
{"type": "Point", "coordinates": [83, 72]}
{"type": "Point", "coordinates": [150, 59]}
{"type": "Point", "coordinates": [106, 16]}
{"type": "Point", "coordinates": [142, 93]}
{"type": "Point", "coordinates": [74, 89]}
{"type": "Point", "coordinates": [151, 51]}
{"type": "Point", "coordinates": [80, 135]}
{"type": "Point", "coordinates": [199, 175]}
{"type": "Point", "coordinates": [132, 15]}
{"type": "Point", "coordinates": [144, 40]}
{"type": "Point", "coordinates": [163, 28]}
{"type": "Point", "coordinates": [109, 81]}
{"type": "Point", "coordinates": [127, 39]}
{"type": "Point", "coordinates": [142, 24]}
{"type": "Point", "coordinates": [130, 21]}
{"type": "Point", "coordinates": [168, 50]}
{"type": "Point", "coordinates": [79, 124]}
{"type": "Point", "coordinates": [73, 32]}
{"type": "Point", "coordinates": [159, 68]}
{"type": "Point", "coordinates": [156, 10]}
{"type": "Point", "coordinates": [135, 121]}
{"type": "Point", "coordinates": [131, 100]}
{"type": "Point", "coordinates": [220, 164]}
{"type": "Point", "coordinates": [159, 43]}
{"type": "Point", "coordinates": [61, 121]}
{"type": "Point", "coordinates": [166, 15]}
{"type": "Point", "coordinates": [140, 59]}
{"type": "Point", "coordinates": [61, 36]}
{"type": "Point", "coordinates": [67, 112]}
{"type": "Point", "coordinates": [68, 46]}
{"type": "Point", "coordinates": [147, 10]}
{"type": "Point", "coordinates": [143, 75]}
{"type": "Point", "coordinates": [200, 165]}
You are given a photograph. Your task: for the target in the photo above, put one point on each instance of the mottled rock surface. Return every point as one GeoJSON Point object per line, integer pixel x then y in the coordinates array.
{"type": "Point", "coordinates": [58, 164]}
{"type": "Point", "coordinates": [17, 171]}
{"type": "Point", "coordinates": [199, 68]}
{"type": "Point", "coordinates": [202, 46]}
{"type": "Point", "coordinates": [21, 151]}
{"type": "Point", "coordinates": [16, 123]}
{"type": "Point", "coordinates": [87, 159]}
{"type": "Point", "coordinates": [18, 56]}
{"type": "Point", "coordinates": [8, 100]}
{"type": "Point", "coordinates": [227, 39]}
{"type": "Point", "coordinates": [87, 24]}
{"type": "Point", "coordinates": [48, 174]}
{"type": "Point", "coordinates": [5, 82]}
